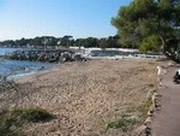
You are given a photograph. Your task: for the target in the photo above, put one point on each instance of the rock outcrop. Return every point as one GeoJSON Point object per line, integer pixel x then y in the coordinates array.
{"type": "Point", "coordinates": [58, 56]}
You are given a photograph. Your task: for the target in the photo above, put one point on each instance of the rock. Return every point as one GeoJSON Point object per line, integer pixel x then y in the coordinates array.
{"type": "Point", "coordinates": [77, 57]}
{"type": "Point", "coordinates": [48, 56]}
{"type": "Point", "coordinates": [66, 56]}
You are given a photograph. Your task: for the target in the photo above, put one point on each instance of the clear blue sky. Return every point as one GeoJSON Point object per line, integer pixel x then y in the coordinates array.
{"type": "Point", "coordinates": [79, 18]}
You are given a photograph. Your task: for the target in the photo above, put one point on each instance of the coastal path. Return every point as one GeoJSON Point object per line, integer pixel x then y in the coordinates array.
{"type": "Point", "coordinates": [166, 121]}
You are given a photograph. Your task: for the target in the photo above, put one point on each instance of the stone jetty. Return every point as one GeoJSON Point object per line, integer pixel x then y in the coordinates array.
{"type": "Point", "coordinates": [52, 56]}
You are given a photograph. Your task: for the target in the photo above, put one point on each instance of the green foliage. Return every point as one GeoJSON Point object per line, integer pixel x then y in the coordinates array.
{"type": "Point", "coordinates": [37, 41]}
{"type": "Point", "coordinates": [145, 107]}
{"type": "Point", "coordinates": [65, 41]}
{"type": "Point", "coordinates": [150, 43]}
{"type": "Point", "coordinates": [141, 19]}
{"type": "Point", "coordinates": [8, 43]}
{"type": "Point", "coordinates": [36, 114]}
{"type": "Point", "coordinates": [22, 42]}
{"type": "Point", "coordinates": [12, 121]}
{"type": "Point", "coordinates": [122, 123]}
{"type": "Point", "coordinates": [109, 42]}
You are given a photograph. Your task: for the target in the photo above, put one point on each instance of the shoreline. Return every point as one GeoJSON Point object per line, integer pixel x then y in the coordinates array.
{"type": "Point", "coordinates": [46, 70]}
{"type": "Point", "coordinates": [10, 68]}
{"type": "Point", "coordinates": [39, 72]}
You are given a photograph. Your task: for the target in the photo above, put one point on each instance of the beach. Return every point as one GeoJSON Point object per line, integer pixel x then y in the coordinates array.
{"type": "Point", "coordinates": [84, 96]}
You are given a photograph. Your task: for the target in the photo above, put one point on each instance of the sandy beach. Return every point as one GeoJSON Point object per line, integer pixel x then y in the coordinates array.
{"type": "Point", "coordinates": [84, 96]}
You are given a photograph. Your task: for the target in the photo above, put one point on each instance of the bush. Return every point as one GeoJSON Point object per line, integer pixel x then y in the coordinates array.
{"type": "Point", "coordinates": [36, 114]}
{"type": "Point", "coordinates": [12, 121]}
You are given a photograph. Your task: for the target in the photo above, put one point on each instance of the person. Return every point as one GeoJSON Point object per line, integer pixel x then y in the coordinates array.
{"type": "Point", "coordinates": [177, 76]}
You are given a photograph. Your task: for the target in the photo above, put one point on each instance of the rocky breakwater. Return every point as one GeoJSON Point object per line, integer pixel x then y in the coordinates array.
{"type": "Point", "coordinates": [55, 56]}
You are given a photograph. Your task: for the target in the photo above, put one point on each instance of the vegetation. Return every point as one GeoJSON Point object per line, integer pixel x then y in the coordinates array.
{"type": "Point", "coordinates": [11, 122]}
{"type": "Point", "coordinates": [144, 107]}
{"type": "Point", "coordinates": [66, 41]}
{"type": "Point", "coordinates": [35, 114]}
{"type": "Point", "coordinates": [122, 123]}
{"type": "Point", "coordinates": [146, 24]}
{"type": "Point", "coordinates": [127, 121]}
{"type": "Point", "coordinates": [150, 43]}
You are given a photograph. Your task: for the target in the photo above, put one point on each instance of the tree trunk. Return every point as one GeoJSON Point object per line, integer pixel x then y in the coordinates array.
{"type": "Point", "coordinates": [166, 50]}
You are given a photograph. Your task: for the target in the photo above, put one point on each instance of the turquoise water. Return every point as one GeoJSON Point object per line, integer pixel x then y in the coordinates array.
{"type": "Point", "coordinates": [19, 67]}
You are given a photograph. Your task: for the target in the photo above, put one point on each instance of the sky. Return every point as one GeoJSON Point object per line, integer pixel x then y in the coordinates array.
{"type": "Point", "coordinates": [79, 18]}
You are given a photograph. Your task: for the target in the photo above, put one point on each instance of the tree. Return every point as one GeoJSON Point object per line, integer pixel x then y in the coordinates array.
{"type": "Point", "coordinates": [67, 41]}
{"type": "Point", "coordinates": [36, 42]}
{"type": "Point", "coordinates": [79, 42]}
{"type": "Point", "coordinates": [49, 41]}
{"type": "Point", "coordinates": [91, 42]}
{"type": "Point", "coordinates": [150, 43]}
{"type": "Point", "coordinates": [87, 42]}
{"type": "Point", "coordinates": [103, 43]}
{"type": "Point", "coordinates": [109, 42]}
{"type": "Point", "coordinates": [8, 43]}
{"type": "Point", "coordinates": [138, 22]}
{"type": "Point", "coordinates": [22, 42]}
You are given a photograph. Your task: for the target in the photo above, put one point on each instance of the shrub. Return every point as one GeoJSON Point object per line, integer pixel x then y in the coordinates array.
{"type": "Point", "coordinates": [144, 107]}
{"type": "Point", "coordinates": [12, 121]}
{"type": "Point", "coordinates": [122, 123]}
{"type": "Point", "coordinates": [36, 114]}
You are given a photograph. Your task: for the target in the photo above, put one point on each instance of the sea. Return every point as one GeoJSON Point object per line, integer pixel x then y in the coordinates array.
{"type": "Point", "coordinates": [15, 68]}
{"type": "Point", "coordinates": [22, 68]}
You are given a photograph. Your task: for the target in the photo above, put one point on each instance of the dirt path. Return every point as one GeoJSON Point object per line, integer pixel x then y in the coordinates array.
{"type": "Point", "coordinates": [167, 120]}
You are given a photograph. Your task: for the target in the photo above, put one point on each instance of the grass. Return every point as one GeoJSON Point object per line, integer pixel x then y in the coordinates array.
{"type": "Point", "coordinates": [122, 123]}
{"type": "Point", "coordinates": [11, 122]}
{"type": "Point", "coordinates": [126, 122]}
{"type": "Point", "coordinates": [144, 107]}
{"type": "Point", "coordinates": [36, 114]}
